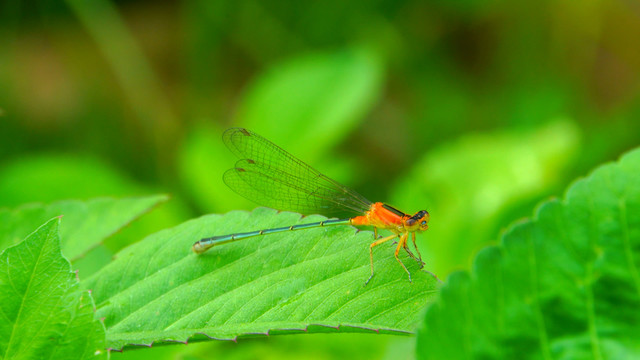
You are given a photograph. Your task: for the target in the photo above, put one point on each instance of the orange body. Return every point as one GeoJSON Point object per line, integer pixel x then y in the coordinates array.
{"type": "Point", "coordinates": [380, 217]}
{"type": "Point", "coordinates": [383, 216]}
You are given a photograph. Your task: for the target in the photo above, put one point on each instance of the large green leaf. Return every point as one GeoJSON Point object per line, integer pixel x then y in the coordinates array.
{"type": "Point", "coordinates": [313, 280]}
{"type": "Point", "coordinates": [86, 223]}
{"type": "Point", "coordinates": [43, 313]}
{"type": "Point", "coordinates": [564, 285]}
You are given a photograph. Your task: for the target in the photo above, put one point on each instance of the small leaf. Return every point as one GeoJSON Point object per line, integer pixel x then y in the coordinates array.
{"type": "Point", "coordinates": [311, 280]}
{"type": "Point", "coordinates": [85, 225]}
{"type": "Point", "coordinates": [44, 314]}
{"type": "Point", "coordinates": [565, 285]}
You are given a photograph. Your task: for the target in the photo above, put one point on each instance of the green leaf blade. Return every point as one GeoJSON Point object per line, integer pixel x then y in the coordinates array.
{"type": "Point", "coordinates": [44, 313]}
{"type": "Point", "coordinates": [563, 285]}
{"type": "Point", "coordinates": [297, 281]}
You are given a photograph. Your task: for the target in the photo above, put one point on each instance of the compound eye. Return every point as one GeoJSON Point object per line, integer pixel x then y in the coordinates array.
{"type": "Point", "coordinates": [423, 223]}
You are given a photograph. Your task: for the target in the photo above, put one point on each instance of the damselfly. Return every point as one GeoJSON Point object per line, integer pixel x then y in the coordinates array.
{"type": "Point", "coordinates": [270, 176]}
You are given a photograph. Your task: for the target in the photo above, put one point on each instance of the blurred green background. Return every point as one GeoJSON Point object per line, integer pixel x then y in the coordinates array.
{"type": "Point", "coordinates": [474, 110]}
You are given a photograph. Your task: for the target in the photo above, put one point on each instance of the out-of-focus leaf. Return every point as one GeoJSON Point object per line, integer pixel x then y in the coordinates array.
{"type": "Point", "coordinates": [52, 177]}
{"type": "Point", "coordinates": [304, 281]}
{"type": "Point", "coordinates": [565, 285]}
{"type": "Point", "coordinates": [47, 178]}
{"type": "Point", "coordinates": [86, 223]}
{"type": "Point", "coordinates": [466, 184]}
{"type": "Point", "coordinates": [308, 104]}
{"type": "Point", "coordinates": [44, 314]}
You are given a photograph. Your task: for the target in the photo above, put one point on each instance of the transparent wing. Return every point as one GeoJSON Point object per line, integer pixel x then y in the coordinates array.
{"type": "Point", "coordinates": [270, 176]}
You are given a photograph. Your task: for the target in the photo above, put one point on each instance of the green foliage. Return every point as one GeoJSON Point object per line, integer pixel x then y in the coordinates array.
{"type": "Point", "coordinates": [305, 281]}
{"type": "Point", "coordinates": [450, 106]}
{"type": "Point", "coordinates": [564, 285]}
{"type": "Point", "coordinates": [44, 313]}
{"type": "Point", "coordinates": [86, 223]}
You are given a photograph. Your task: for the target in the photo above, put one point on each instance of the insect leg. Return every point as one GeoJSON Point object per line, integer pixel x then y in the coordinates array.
{"type": "Point", "coordinates": [402, 243]}
{"type": "Point", "coordinates": [413, 238]}
{"type": "Point", "coordinates": [376, 243]}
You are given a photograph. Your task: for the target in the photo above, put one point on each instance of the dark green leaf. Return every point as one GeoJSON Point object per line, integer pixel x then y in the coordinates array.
{"type": "Point", "coordinates": [44, 314]}
{"type": "Point", "coordinates": [565, 285]}
{"type": "Point", "coordinates": [304, 281]}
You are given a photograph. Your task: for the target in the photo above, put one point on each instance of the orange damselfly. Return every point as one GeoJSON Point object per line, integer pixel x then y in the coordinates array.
{"type": "Point", "coordinates": [270, 176]}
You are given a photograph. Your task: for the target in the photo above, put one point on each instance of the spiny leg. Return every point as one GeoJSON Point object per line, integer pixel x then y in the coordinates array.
{"type": "Point", "coordinates": [413, 238]}
{"type": "Point", "coordinates": [401, 244]}
{"type": "Point", "coordinates": [376, 243]}
{"type": "Point", "coordinates": [375, 233]}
